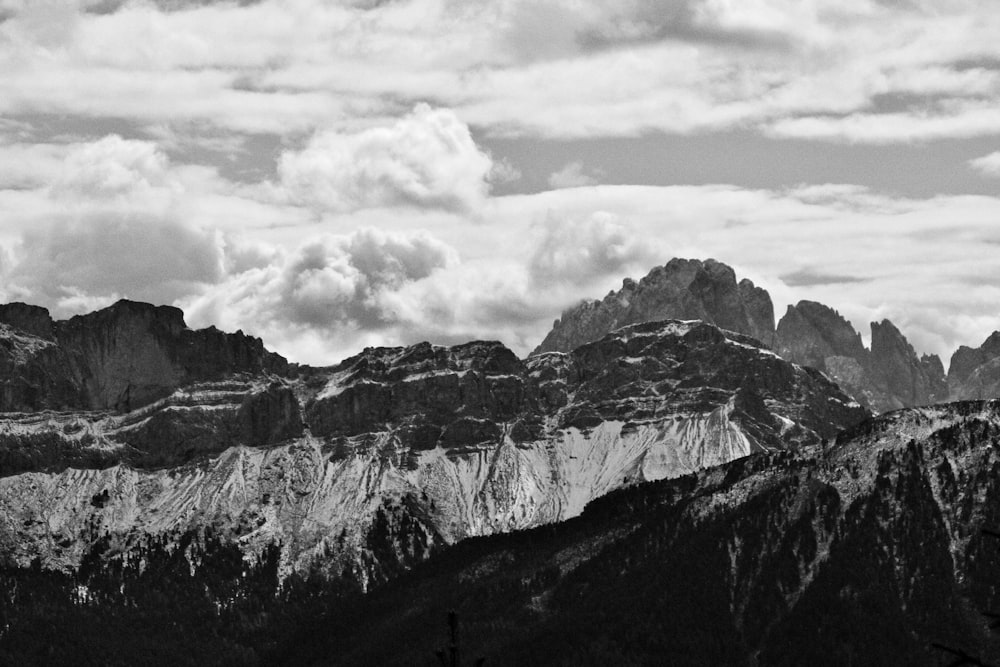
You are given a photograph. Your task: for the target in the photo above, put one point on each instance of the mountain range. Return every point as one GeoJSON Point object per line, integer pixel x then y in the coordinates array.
{"type": "Point", "coordinates": [670, 434]}
{"type": "Point", "coordinates": [888, 376]}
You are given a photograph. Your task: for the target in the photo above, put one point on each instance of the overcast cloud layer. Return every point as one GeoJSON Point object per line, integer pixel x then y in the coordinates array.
{"type": "Point", "coordinates": [332, 175]}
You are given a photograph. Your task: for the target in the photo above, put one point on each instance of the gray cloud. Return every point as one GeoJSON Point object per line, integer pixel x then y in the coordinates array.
{"type": "Point", "coordinates": [811, 277]}
{"type": "Point", "coordinates": [336, 284]}
{"type": "Point", "coordinates": [644, 21]}
{"type": "Point", "coordinates": [111, 254]}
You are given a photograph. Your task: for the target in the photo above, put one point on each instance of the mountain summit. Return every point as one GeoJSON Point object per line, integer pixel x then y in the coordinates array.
{"type": "Point", "coordinates": [685, 289]}
{"type": "Point", "coordinates": [887, 377]}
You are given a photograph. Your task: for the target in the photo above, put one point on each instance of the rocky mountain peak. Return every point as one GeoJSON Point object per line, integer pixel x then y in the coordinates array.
{"type": "Point", "coordinates": [33, 320]}
{"type": "Point", "coordinates": [975, 372]}
{"type": "Point", "coordinates": [131, 314]}
{"type": "Point", "coordinates": [687, 289]}
{"type": "Point", "coordinates": [120, 357]}
{"type": "Point", "coordinates": [811, 332]}
{"type": "Point", "coordinates": [887, 377]}
{"type": "Point", "coordinates": [906, 379]}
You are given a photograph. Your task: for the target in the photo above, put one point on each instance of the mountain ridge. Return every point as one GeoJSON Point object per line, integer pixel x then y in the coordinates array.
{"type": "Point", "coordinates": [887, 376]}
{"type": "Point", "coordinates": [440, 442]}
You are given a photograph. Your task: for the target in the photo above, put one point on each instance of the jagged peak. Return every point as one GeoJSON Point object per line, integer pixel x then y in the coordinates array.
{"type": "Point", "coordinates": [683, 289]}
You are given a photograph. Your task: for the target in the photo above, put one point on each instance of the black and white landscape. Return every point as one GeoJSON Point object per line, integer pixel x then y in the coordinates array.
{"type": "Point", "coordinates": [304, 356]}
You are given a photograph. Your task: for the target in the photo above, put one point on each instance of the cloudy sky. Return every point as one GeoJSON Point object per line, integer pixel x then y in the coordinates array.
{"type": "Point", "coordinates": [330, 175]}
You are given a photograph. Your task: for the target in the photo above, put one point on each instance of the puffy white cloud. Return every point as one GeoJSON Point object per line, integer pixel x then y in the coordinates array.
{"type": "Point", "coordinates": [581, 251]}
{"type": "Point", "coordinates": [113, 168]}
{"type": "Point", "coordinates": [333, 286]}
{"type": "Point", "coordinates": [25, 166]}
{"type": "Point", "coordinates": [425, 159]}
{"type": "Point", "coordinates": [987, 165]}
{"type": "Point", "coordinates": [572, 175]}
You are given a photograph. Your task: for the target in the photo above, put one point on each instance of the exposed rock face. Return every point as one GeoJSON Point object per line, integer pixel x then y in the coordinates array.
{"type": "Point", "coordinates": [197, 421]}
{"type": "Point", "coordinates": [686, 289]}
{"type": "Point", "coordinates": [760, 312]}
{"type": "Point", "coordinates": [975, 372]}
{"type": "Point", "coordinates": [864, 553]}
{"type": "Point", "coordinates": [888, 377]}
{"type": "Point", "coordinates": [810, 333]}
{"type": "Point", "coordinates": [436, 396]}
{"type": "Point", "coordinates": [433, 443]}
{"type": "Point", "coordinates": [908, 381]}
{"type": "Point", "coordinates": [120, 358]}
{"type": "Point", "coordinates": [32, 320]}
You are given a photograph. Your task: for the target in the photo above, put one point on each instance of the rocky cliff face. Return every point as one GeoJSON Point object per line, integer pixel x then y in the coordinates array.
{"type": "Point", "coordinates": [120, 358]}
{"type": "Point", "coordinates": [686, 289]}
{"type": "Point", "coordinates": [975, 372]}
{"type": "Point", "coordinates": [904, 379]}
{"type": "Point", "coordinates": [377, 461]}
{"type": "Point", "coordinates": [864, 551]}
{"type": "Point", "coordinates": [888, 377]}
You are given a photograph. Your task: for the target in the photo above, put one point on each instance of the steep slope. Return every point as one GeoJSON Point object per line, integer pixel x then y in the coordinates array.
{"type": "Point", "coordinates": [865, 552]}
{"type": "Point", "coordinates": [686, 289]}
{"type": "Point", "coordinates": [888, 377]}
{"type": "Point", "coordinates": [402, 449]}
{"type": "Point", "coordinates": [122, 357]}
{"type": "Point", "coordinates": [975, 372]}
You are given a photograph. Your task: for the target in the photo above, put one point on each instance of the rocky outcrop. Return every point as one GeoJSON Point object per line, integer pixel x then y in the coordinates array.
{"type": "Point", "coordinates": [435, 443]}
{"type": "Point", "coordinates": [685, 289]}
{"type": "Point", "coordinates": [122, 357]}
{"type": "Point", "coordinates": [188, 425]}
{"type": "Point", "coordinates": [975, 372]}
{"type": "Point", "coordinates": [866, 552]}
{"type": "Point", "coordinates": [434, 395]}
{"type": "Point", "coordinates": [888, 377]}
{"type": "Point", "coordinates": [904, 379]}
{"type": "Point", "coordinates": [31, 320]}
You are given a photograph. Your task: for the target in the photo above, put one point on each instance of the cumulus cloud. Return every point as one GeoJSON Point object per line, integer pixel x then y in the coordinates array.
{"type": "Point", "coordinates": [25, 166]}
{"type": "Point", "coordinates": [579, 250]}
{"type": "Point", "coordinates": [987, 165]}
{"type": "Point", "coordinates": [115, 228]}
{"type": "Point", "coordinates": [336, 285]}
{"type": "Point", "coordinates": [113, 168]}
{"type": "Point", "coordinates": [425, 159]}
{"type": "Point", "coordinates": [571, 176]}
